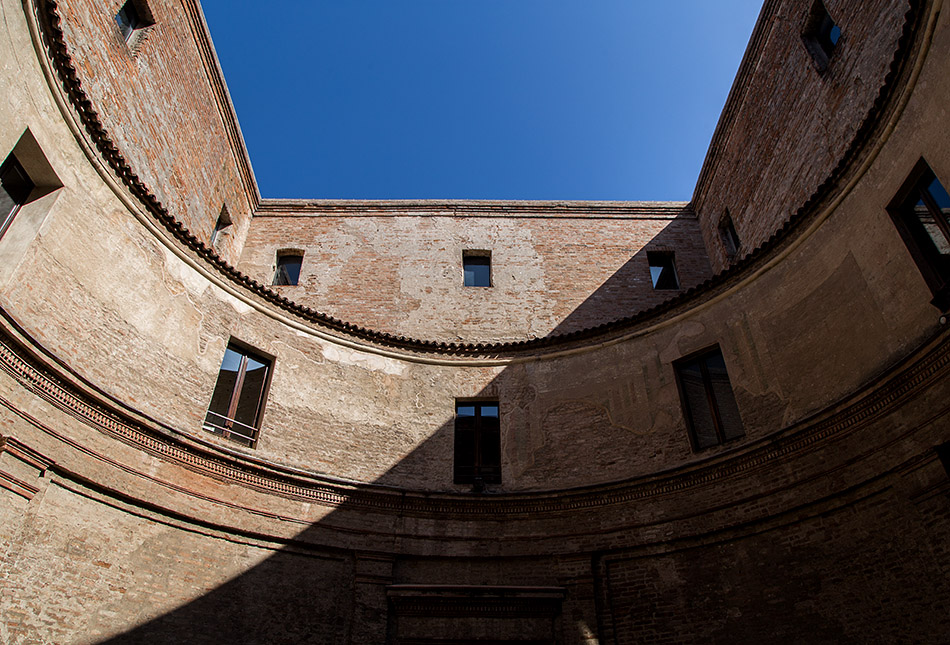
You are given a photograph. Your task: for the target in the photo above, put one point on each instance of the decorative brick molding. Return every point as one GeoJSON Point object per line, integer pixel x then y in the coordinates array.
{"type": "Point", "coordinates": [110, 418]}
{"type": "Point", "coordinates": [59, 54]}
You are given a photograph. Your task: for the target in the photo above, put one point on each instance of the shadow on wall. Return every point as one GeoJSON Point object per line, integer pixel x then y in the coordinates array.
{"type": "Point", "coordinates": [630, 289]}
{"type": "Point", "coordinates": [309, 591]}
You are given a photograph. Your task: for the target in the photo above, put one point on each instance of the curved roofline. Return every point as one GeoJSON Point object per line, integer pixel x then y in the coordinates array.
{"type": "Point", "coordinates": [893, 82]}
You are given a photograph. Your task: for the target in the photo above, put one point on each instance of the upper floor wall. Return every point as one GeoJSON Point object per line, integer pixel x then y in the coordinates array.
{"type": "Point", "coordinates": [554, 267]}
{"type": "Point", "coordinates": [792, 115]}
{"type": "Point", "coordinates": [165, 106]}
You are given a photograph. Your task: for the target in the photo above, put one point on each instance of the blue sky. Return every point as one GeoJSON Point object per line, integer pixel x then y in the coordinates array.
{"type": "Point", "coordinates": [479, 99]}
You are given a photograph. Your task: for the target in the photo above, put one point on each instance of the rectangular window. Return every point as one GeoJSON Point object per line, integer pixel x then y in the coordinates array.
{"type": "Point", "coordinates": [477, 443]}
{"type": "Point", "coordinates": [15, 189]}
{"type": "Point", "coordinates": [133, 19]}
{"type": "Point", "coordinates": [663, 270]}
{"type": "Point", "coordinates": [476, 268]}
{"type": "Point", "coordinates": [237, 403]}
{"type": "Point", "coordinates": [943, 452]}
{"type": "Point", "coordinates": [708, 402]}
{"type": "Point", "coordinates": [288, 267]}
{"type": "Point", "coordinates": [728, 235]}
{"type": "Point", "coordinates": [820, 35]}
{"type": "Point", "coordinates": [221, 228]}
{"type": "Point", "coordinates": [921, 213]}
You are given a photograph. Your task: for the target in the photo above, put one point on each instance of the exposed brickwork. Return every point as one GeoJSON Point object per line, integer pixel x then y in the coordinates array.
{"type": "Point", "coordinates": [120, 519]}
{"type": "Point", "coordinates": [777, 146]}
{"type": "Point", "coordinates": [166, 112]}
{"type": "Point", "coordinates": [402, 273]}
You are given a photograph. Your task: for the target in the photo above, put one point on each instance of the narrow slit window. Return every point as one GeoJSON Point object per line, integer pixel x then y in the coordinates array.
{"type": "Point", "coordinates": [943, 452]}
{"type": "Point", "coordinates": [476, 268]}
{"type": "Point", "coordinates": [222, 227]}
{"type": "Point", "coordinates": [709, 405]}
{"type": "Point", "coordinates": [728, 236]}
{"type": "Point", "coordinates": [663, 270]}
{"type": "Point", "coordinates": [921, 213]}
{"type": "Point", "coordinates": [288, 268]}
{"type": "Point", "coordinates": [477, 443]}
{"type": "Point", "coordinates": [821, 35]}
{"type": "Point", "coordinates": [237, 403]}
{"type": "Point", "coordinates": [15, 189]}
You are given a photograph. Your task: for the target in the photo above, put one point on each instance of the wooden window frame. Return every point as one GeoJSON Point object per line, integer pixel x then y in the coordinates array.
{"type": "Point", "coordinates": [482, 473]}
{"type": "Point", "coordinates": [282, 257]}
{"type": "Point", "coordinates": [226, 429]}
{"type": "Point", "coordinates": [915, 238]}
{"type": "Point", "coordinates": [710, 398]}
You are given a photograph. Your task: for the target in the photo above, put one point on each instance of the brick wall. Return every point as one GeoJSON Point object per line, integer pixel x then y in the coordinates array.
{"type": "Point", "coordinates": [774, 147]}
{"type": "Point", "coordinates": [168, 110]}
{"type": "Point", "coordinates": [400, 270]}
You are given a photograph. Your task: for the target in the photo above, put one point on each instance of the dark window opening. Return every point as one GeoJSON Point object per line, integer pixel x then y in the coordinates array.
{"type": "Point", "coordinates": [477, 443]}
{"type": "Point", "coordinates": [943, 452]}
{"type": "Point", "coordinates": [133, 18]}
{"type": "Point", "coordinates": [15, 189]}
{"type": "Point", "coordinates": [476, 267]}
{"type": "Point", "coordinates": [709, 405]}
{"type": "Point", "coordinates": [728, 235]}
{"type": "Point", "coordinates": [237, 403]}
{"type": "Point", "coordinates": [821, 35]}
{"type": "Point", "coordinates": [288, 268]}
{"type": "Point", "coordinates": [663, 270]}
{"type": "Point", "coordinates": [222, 227]}
{"type": "Point", "coordinates": [128, 19]}
{"type": "Point", "coordinates": [921, 213]}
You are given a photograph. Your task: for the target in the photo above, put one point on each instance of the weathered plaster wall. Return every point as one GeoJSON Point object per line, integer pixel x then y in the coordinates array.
{"type": "Point", "coordinates": [556, 267]}
{"type": "Point", "coordinates": [119, 516]}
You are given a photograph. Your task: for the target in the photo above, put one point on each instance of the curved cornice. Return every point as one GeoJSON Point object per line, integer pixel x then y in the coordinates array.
{"type": "Point", "coordinates": [34, 369]}
{"type": "Point", "coordinates": [752, 263]}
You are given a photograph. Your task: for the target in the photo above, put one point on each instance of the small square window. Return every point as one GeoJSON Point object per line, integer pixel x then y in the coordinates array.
{"type": "Point", "coordinates": [237, 404]}
{"type": "Point", "coordinates": [921, 213]}
{"type": "Point", "coordinates": [15, 189]}
{"type": "Point", "coordinates": [708, 402]}
{"type": "Point", "coordinates": [133, 19]}
{"type": "Point", "coordinates": [476, 267]}
{"type": "Point", "coordinates": [477, 443]}
{"type": "Point", "coordinates": [728, 236]}
{"type": "Point", "coordinates": [288, 268]}
{"type": "Point", "coordinates": [663, 270]}
{"type": "Point", "coordinates": [821, 35]}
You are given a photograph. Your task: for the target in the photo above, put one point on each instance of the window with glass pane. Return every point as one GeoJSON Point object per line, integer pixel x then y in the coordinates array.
{"type": "Point", "coordinates": [288, 268]}
{"type": "Point", "coordinates": [237, 402]}
{"type": "Point", "coordinates": [128, 19]}
{"type": "Point", "coordinates": [476, 267]}
{"type": "Point", "coordinates": [15, 189]}
{"type": "Point", "coordinates": [477, 443]}
{"type": "Point", "coordinates": [921, 213]}
{"type": "Point", "coordinates": [708, 402]}
{"type": "Point", "coordinates": [663, 270]}
{"type": "Point", "coordinates": [820, 35]}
